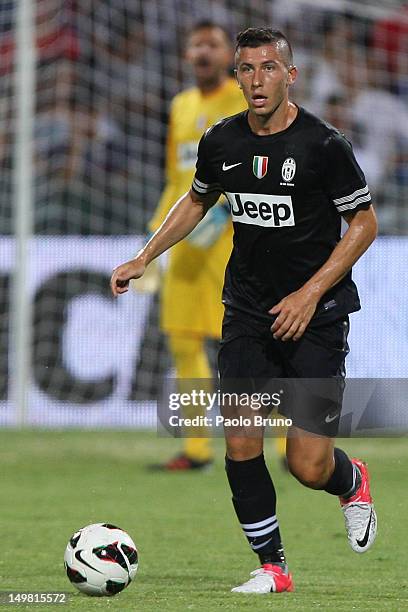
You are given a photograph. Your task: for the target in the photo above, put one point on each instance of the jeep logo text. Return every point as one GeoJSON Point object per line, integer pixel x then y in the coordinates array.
{"type": "Point", "coordinates": [261, 209]}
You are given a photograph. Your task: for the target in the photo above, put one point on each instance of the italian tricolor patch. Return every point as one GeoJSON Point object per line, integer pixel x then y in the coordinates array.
{"type": "Point", "coordinates": [260, 166]}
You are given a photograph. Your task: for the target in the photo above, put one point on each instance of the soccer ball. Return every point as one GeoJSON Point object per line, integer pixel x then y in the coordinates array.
{"type": "Point", "coordinates": [101, 559]}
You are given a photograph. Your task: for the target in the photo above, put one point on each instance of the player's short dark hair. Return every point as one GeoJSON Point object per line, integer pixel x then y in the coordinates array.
{"type": "Point", "coordinates": [256, 37]}
{"type": "Point", "coordinates": [206, 24]}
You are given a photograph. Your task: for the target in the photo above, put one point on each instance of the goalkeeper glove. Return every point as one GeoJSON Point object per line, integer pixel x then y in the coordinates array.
{"type": "Point", "coordinates": [211, 227]}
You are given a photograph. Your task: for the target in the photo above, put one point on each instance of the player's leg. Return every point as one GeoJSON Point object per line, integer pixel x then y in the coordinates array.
{"type": "Point", "coordinates": [318, 360]}
{"type": "Point", "coordinates": [191, 362]}
{"type": "Point", "coordinates": [254, 500]}
{"type": "Point", "coordinates": [253, 492]}
{"type": "Point", "coordinates": [318, 464]}
{"type": "Point", "coordinates": [191, 311]}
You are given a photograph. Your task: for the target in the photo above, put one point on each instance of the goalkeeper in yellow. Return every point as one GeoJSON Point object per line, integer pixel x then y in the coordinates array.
{"type": "Point", "coordinates": [191, 308]}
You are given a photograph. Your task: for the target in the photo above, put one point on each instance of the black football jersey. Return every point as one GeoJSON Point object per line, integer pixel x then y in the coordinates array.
{"type": "Point", "coordinates": [286, 192]}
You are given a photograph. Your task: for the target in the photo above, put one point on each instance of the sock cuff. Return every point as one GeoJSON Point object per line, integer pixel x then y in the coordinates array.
{"type": "Point", "coordinates": [356, 483]}
{"type": "Point", "coordinates": [342, 478]}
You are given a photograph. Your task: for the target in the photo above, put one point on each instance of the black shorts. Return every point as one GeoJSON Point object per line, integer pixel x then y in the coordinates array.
{"type": "Point", "coordinates": [313, 368]}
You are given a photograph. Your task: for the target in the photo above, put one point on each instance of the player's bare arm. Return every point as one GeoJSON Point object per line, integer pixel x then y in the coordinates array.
{"type": "Point", "coordinates": [296, 310]}
{"type": "Point", "coordinates": [181, 220]}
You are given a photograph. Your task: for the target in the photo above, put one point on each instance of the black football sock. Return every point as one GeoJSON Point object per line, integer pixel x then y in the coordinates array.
{"type": "Point", "coordinates": [254, 499]}
{"type": "Point", "coordinates": [346, 477]}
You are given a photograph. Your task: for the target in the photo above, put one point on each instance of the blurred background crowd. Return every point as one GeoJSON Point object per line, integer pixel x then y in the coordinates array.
{"type": "Point", "coordinates": [108, 69]}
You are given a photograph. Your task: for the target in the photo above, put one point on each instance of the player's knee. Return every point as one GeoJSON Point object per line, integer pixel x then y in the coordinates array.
{"type": "Point", "coordinates": [313, 475]}
{"type": "Point", "coordinates": [242, 449]}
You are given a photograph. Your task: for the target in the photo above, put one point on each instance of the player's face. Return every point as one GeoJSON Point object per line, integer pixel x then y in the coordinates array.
{"type": "Point", "coordinates": [210, 55]}
{"type": "Point", "coordinates": [264, 78]}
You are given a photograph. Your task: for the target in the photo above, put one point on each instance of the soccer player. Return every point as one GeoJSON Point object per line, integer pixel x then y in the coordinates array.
{"type": "Point", "coordinates": [289, 178]}
{"type": "Point", "coordinates": [195, 273]}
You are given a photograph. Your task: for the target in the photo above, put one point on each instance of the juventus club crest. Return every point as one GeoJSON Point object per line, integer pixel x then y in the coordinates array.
{"type": "Point", "coordinates": [260, 166]}
{"type": "Point", "coordinates": [288, 169]}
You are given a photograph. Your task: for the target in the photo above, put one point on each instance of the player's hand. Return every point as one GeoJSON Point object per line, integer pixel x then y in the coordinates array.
{"type": "Point", "coordinates": [124, 273]}
{"type": "Point", "coordinates": [294, 314]}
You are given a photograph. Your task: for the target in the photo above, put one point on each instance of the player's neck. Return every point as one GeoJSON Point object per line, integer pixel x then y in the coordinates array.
{"type": "Point", "coordinates": [210, 87]}
{"type": "Point", "coordinates": [280, 119]}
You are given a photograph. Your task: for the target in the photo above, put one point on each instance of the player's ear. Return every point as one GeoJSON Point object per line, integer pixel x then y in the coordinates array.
{"type": "Point", "coordinates": [292, 74]}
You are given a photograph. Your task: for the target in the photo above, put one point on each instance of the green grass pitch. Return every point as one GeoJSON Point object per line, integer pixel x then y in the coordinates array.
{"type": "Point", "coordinates": [190, 545]}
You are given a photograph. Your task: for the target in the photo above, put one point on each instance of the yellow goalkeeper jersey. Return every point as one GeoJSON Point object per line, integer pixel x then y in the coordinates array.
{"type": "Point", "coordinates": [191, 291]}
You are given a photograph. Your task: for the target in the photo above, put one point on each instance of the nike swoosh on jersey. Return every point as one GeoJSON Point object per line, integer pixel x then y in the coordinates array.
{"type": "Point", "coordinates": [364, 541]}
{"type": "Point", "coordinates": [79, 557]}
{"type": "Point", "coordinates": [225, 167]}
{"type": "Point", "coordinates": [331, 418]}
